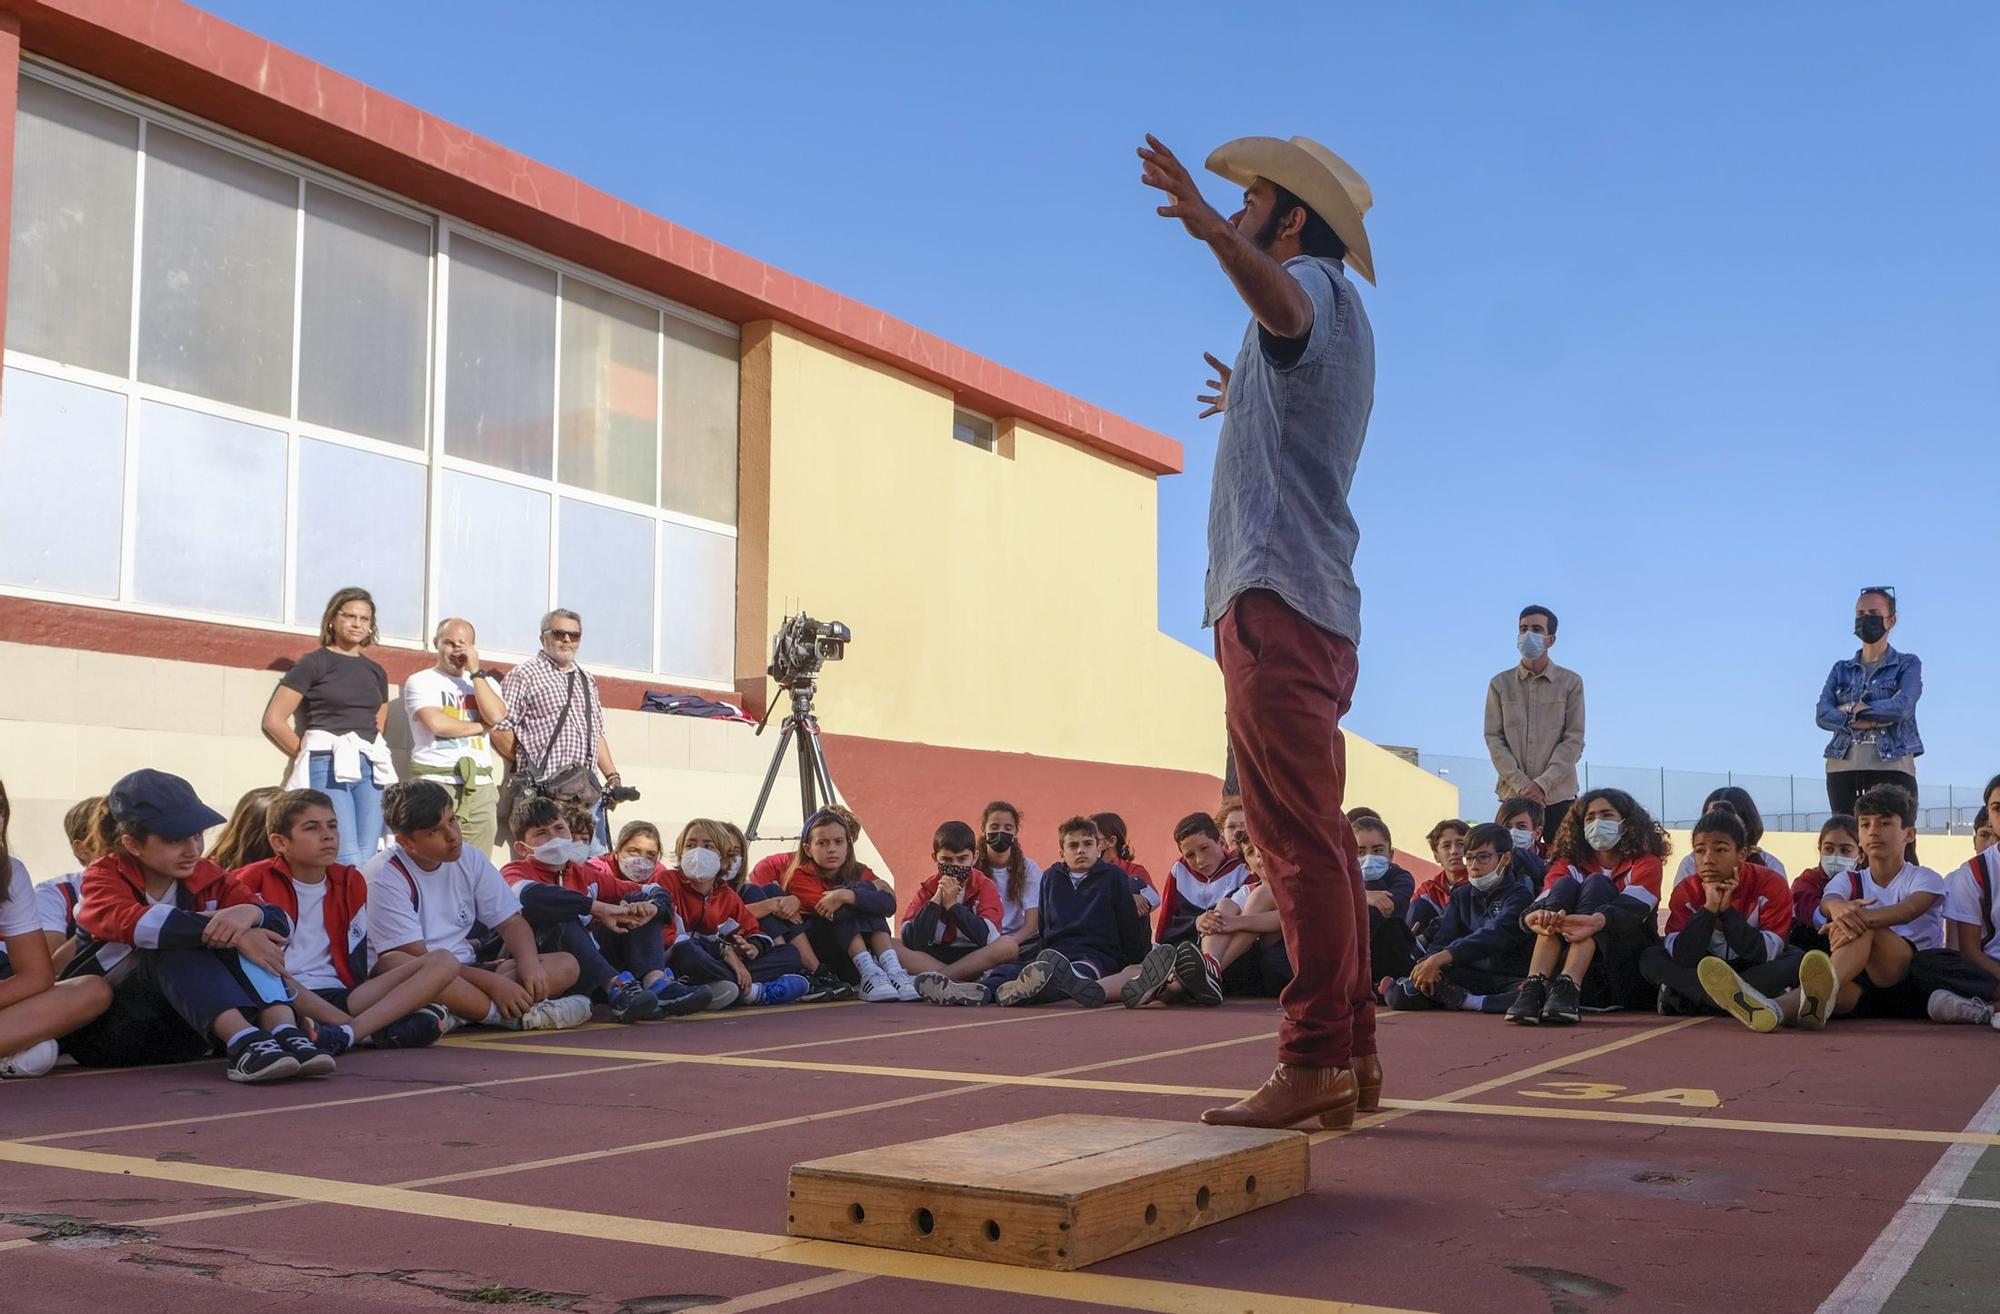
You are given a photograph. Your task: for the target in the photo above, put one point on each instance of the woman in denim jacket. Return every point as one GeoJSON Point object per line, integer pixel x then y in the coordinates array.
{"type": "Point", "coordinates": [1870, 705]}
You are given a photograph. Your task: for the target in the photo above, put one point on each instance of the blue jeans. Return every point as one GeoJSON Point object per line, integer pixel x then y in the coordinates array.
{"type": "Point", "coordinates": [357, 806]}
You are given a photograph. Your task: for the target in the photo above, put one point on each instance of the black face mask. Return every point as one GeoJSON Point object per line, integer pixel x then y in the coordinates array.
{"type": "Point", "coordinates": [999, 841]}
{"type": "Point", "coordinates": [1870, 628]}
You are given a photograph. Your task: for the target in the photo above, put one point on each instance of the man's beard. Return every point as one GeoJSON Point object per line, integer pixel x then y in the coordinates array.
{"type": "Point", "coordinates": [1266, 235]}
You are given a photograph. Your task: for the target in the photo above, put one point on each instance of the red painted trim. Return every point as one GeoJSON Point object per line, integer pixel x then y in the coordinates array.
{"type": "Point", "coordinates": [132, 634]}
{"type": "Point", "coordinates": [182, 57]}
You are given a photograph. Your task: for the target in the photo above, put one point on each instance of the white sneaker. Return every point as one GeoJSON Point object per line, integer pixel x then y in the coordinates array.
{"type": "Point", "coordinates": [879, 989]}
{"type": "Point", "coordinates": [906, 987]}
{"type": "Point", "coordinates": [1946, 1006]}
{"type": "Point", "coordinates": [33, 1061]}
{"type": "Point", "coordinates": [554, 1015]}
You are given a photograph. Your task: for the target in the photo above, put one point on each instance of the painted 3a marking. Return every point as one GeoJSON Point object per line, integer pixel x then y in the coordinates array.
{"type": "Point", "coordinates": [1604, 1092]}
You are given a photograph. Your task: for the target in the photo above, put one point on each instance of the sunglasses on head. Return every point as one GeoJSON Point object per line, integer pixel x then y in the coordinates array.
{"type": "Point", "coordinates": [1885, 590]}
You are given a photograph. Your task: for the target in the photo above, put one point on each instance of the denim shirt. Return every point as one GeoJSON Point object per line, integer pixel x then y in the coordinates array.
{"type": "Point", "coordinates": [1278, 517]}
{"type": "Point", "coordinates": [1891, 694]}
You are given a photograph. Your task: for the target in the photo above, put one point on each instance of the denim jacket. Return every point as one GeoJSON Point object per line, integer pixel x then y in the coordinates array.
{"type": "Point", "coordinates": [1891, 695]}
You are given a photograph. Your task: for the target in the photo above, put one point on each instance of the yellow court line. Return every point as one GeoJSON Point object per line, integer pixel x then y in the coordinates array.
{"type": "Point", "coordinates": [724, 1015]}
{"type": "Point", "coordinates": [791, 1291]}
{"type": "Point", "coordinates": [1837, 1130]}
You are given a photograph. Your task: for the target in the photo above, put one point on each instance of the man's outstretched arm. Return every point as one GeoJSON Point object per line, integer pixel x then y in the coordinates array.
{"type": "Point", "coordinates": [1273, 295]}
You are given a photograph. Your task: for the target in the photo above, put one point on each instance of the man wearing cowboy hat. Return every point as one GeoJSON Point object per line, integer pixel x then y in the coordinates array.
{"type": "Point", "coordinates": [1281, 592]}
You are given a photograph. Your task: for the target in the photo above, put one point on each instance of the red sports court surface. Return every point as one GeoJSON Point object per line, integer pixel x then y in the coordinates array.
{"type": "Point", "coordinates": [1633, 1163]}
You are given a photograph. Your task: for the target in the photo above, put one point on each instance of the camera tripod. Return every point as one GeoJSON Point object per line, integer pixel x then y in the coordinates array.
{"type": "Point", "coordinates": [800, 730]}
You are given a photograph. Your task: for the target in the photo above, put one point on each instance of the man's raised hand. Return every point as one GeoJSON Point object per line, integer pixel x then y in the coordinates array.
{"type": "Point", "coordinates": [1217, 397]}
{"type": "Point", "coordinates": [1185, 202]}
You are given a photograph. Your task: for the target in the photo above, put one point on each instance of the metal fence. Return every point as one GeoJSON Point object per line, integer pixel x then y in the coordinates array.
{"type": "Point", "coordinates": [1793, 803]}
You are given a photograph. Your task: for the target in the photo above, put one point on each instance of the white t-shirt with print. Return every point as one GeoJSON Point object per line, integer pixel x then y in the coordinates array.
{"type": "Point", "coordinates": [1012, 914]}
{"type": "Point", "coordinates": [1966, 903]}
{"type": "Point", "coordinates": [451, 694]}
{"type": "Point", "coordinates": [18, 915]}
{"type": "Point", "coordinates": [450, 900]}
{"type": "Point", "coordinates": [1923, 932]}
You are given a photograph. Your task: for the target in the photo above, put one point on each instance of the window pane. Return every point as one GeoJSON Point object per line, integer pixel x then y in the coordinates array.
{"type": "Point", "coordinates": [500, 380]}
{"type": "Point", "coordinates": [610, 393]}
{"type": "Point", "coordinates": [495, 566]}
{"type": "Point", "coordinates": [69, 278]}
{"type": "Point", "coordinates": [215, 278]}
{"type": "Point", "coordinates": [64, 439]}
{"type": "Point", "coordinates": [604, 573]}
{"type": "Point", "coordinates": [361, 522]}
{"type": "Point", "coordinates": [971, 429]}
{"type": "Point", "coordinates": [364, 322]}
{"type": "Point", "coordinates": [697, 604]}
{"type": "Point", "coordinates": [211, 531]}
{"type": "Point", "coordinates": [698, 467]}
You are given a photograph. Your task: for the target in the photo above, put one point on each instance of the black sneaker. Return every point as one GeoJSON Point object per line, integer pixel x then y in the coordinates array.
{"type": "Point", "coordinates": [678, 999]}
{"type": "Point", "coordinates": [421, 1028]}
{"type": "Point", "coordinates": [312, 1060]}
{"type": "Point", "coordinates": [1562, 1008]}
{"type": "Point", "coordinates": [1197, 978]}
{"type": "Point", "coordinates": [259, 1057]}
{"type": "Point", "coordinates": [1448, 993]}
{"type": "Point", "coordinates": [1066, 982]}
{"type": "Point", "coordinates": [1670, 1004]}
{"type": "Point", "coordinates": [332, 1040]}
{"type": "Point", "coordinates": [826, 988]}
{"type": "Point", "coordinates": [632, 1002]}
{"type": "Point", "coordinates": [1156, 973]}
{"type": "Point", "coordinates": [1534, 996]}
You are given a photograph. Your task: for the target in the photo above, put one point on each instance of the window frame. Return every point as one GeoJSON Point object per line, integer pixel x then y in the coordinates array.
{"type": "Point", "coordinates": [992, 445]}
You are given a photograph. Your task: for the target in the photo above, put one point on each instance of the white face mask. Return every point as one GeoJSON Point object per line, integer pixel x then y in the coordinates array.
{"type": "Point", "coordinates": [1523, 839]}
{"type": "Point", "coordinates": [1531, 645]}
{"type": "Point", "coordinates": [701, 865]}
{"type": "Point", "coordinates": [1602, 834]}
{"type": "Point", "coordinates": [560, 853]}
{"type": "Point", "coordinates": [637, 867]}
{"type": "Point", "coordinates": [1484, 884]}
{"type": "Point", "coordinates": [1835, 864]}
{"type": "Point", "coordinates": [1374, 866]}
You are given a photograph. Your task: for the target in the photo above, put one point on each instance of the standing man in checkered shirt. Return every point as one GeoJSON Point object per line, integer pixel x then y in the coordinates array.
{"type": "Point", "coordinates": [554, 728]}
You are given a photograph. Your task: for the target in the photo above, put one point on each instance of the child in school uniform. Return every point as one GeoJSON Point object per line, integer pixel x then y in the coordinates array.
{"type": "Point", "coordinates": [36, 1010]}
{"type": "Point", "coordinates": [718, 942]}
{"type": "Point", "coordinates": [1839, 854]}
{"type": "Point", "coordinates": [1388, 890]}
{"type": "Point", "coordinates": [1093, 937]}
{"type": "Point", "coordinates": [56, 898]}
{"type": "Point", "coordinates": [1478, 948]}
{"type": "Point", "coordinates": [1015, 875]}
{"type": "Point", "coordinates": [1447, 841]}
{"type": "Point", "coordinates": [1230, 821]}
{"type": "Point", "coordinates": [1876, 920]}
{"type": "Point", "coordinates": [1596, 914]}
{"type": "Point", "coordinates": [951, 928]}
{"type": "Point", "coordinates": [1116, 848]}
{"type": "Point", "coordinates": [428, 890]}
{"type": "Point", "coordinates": [192, 959]}
{"type": "Point", "coordinates": [849, 909]}
{"type": "Point", "coordinates": [1961, 982]}
{"type": "Point", "coordinates": [612, 926]}
{"type": "Point", "coordinates": [781, 916]}
{"type": "Point", "coordinates": [1244, 939]}
{"type": "Point", "coordinates": [1524, 818]}
{"type": "Point", "coordinates": [1208, 876]}
{"type": "Point", "coordinates": [1730, 915]}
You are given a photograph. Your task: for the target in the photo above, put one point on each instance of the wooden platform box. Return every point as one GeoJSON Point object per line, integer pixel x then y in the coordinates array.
{"type": "Point", "coordinates": [1059, 1192]}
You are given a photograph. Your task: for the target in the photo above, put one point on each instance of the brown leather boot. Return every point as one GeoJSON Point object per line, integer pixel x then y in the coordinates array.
{"type": "Point", "coordinates": [1291, 1096]}
{"type": "Point", "coordinates": [1367, 1069]}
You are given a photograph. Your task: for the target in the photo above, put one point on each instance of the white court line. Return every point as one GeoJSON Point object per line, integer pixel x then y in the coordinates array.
{"type": "Point", "coordinates": [1868, 1286]}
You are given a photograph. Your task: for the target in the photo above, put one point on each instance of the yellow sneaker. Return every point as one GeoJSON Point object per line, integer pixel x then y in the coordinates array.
{"type": "Point", "coordinates": [1735, 996]}
{"type": "Point", "coordinates": [1817, 987]}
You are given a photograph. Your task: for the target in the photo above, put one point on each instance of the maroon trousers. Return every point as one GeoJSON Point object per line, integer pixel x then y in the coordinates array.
{"type": "Point", "coordinates": [1288, 682]}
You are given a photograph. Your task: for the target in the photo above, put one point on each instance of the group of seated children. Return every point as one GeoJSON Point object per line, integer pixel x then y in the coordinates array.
{"type": "Point", "coordinates": [1866, 933]}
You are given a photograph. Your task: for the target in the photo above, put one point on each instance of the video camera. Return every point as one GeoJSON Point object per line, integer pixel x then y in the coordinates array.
{"type": "Point", "coordinates": [802, 646]}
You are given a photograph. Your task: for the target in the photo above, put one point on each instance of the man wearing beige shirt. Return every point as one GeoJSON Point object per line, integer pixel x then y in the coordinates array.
{"type": "Point", "coordinates": [1534, 722]}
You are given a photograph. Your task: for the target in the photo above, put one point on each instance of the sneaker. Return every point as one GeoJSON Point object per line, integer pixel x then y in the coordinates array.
{"type": "Point", "coordinates": [826, 988]}
{"type": "Point", "coordinates": [1561, 1009]}
{"type": "Point", "coordinates": [1946, 1006]}
{"type": "Point", "coordinates": [552, 1015]}
{"type": "Point", "coordinates": [259, 1057]}
{"type": "Point", "coordinates": [1817, 987]}
{"type": "Point", "coordinates": [1669, 1004]}
{"type": "Point", "coordinates": [721, 994]}
{"type": "Point", "coordinates": [1447, 993]}
{"type": "Point", "coordinates": [879, 989]}
{"type": "Point", "coordinates": [1156, 973]}
{"type": "Point", "coordinates": [1734, 996]}
{"type": "Point", "coordinates": [1026, 988]}
{"type": "Point", "coordinates": [632, 1002]}
{"type": "Point", "coordinates": [1197, 978]}
{"type": "Point", "coordinates": [906, 987]}
{"type": "Point", "coordinates": [426, 1026]}
{"type": "Point", "coordinates": [332, 1040]}
{"type": "Point", "coordinates": [1403, 995]}
{"type": "Point", "coordinates": [34, 1061]}
{"type": "Point", "coordinates": [787, 989]}
{"type": "Point", "coordinates": [678, 1000]}
{"type": "Point", "coordinates": [312, 1060]}
{"type": "Point", "coordinates": [1066, 982]}
{"type": "Point", "coordinates": [1528, 1005]}
{"type": "Point", "coordinates": [937, 988]}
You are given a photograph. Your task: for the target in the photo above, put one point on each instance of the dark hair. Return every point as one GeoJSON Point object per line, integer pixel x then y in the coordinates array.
{"type": "Point", "coordinates": [409, 806]}
{"type": "Point", "coordinates": [1721, 819]}
{"type": "Point", "coordinates": [335, 603]}
{"type": "Point", "coordinates": [1355, 814]}
{"type": "Point", "coordinates": [1886, 595]}
{"type": "Point", "coordinates": [286, 809]}
{"type": "Point", "coordinates": [1197, 823]}
{"type": "Point", "coordinates": [1842, 822]}
{"type": "Point", "coordinates": [1513, 807]}
{"type": "Point", "coordinates": [532, 811]}
{"type": "Point", "coordinates": [247, 836]}
{"type": "Point", "coordinates": [954, 837]}
{"type": "Point", "coordinates": [1639, 836]}
{"type": "Point", "coordinates": [1492, 832]}
{"type": "Point", "coordinates": [1374, 823]}
{"type": "Point", "coordinates": [1745, 807]}
{"type": "Point", "coordinates": [1016, 865]}
{"type": "Point", "coordinates": [1452, 824]}
{"type": "Point", "coordinates": [1317, 238]}
{"type": "Point", "coordinates": [633, 829]}
{"type": "Point", "coordinates": [1886, 801]}
{"type": "Point", "coordinates": [76, 821]}
{"type": "Point", "coordinates": [1537, 609]}
{"type": "Point", "coordinates": [1112, 830]}
{"type": "Point", "coordinates": [106, 830]}
{"type": "Point", "coordinates": [1991, 785]}
{"type": "Point", "coordinates": [1077, 826]}
{"type": "Point", "coordinates": [1979, 818]}
{"type": "Point", "coordinates": [850, 869]}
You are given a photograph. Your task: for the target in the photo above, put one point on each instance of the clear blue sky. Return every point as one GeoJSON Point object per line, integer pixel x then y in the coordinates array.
{"type": "Point", "coordinates": [1687, 322]}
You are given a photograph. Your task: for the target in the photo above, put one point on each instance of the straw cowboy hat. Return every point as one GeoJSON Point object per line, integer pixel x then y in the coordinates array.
{"type": "Point", "coordinates": [1314, 174]}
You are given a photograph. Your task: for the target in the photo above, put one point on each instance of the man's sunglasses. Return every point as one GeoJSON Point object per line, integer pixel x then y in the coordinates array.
{"type": "Point", "coordinates": [1883, 589]}
{"type": "Point", "coordinates": [572, 635]}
